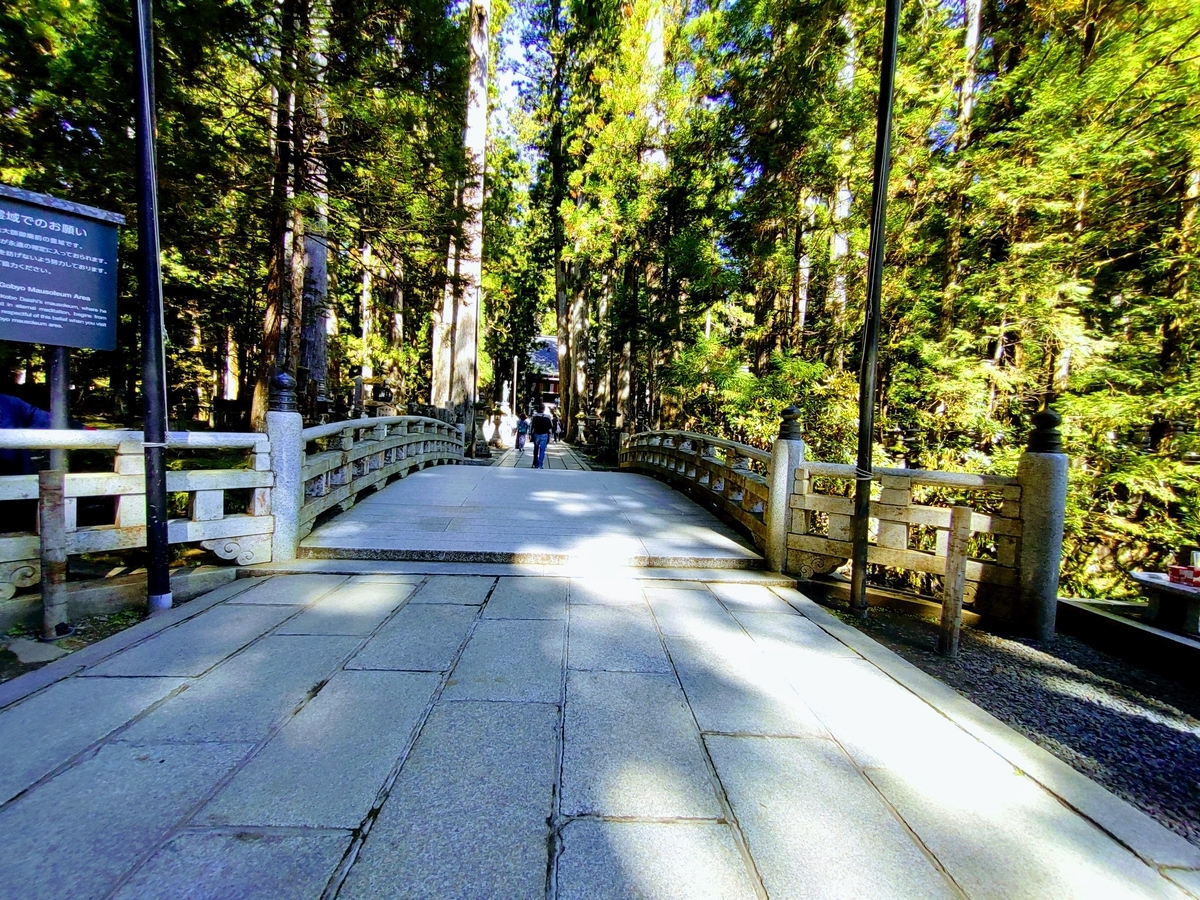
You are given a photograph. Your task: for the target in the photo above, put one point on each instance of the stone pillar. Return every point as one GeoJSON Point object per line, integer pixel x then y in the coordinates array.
{"type": "Point", "coordinates": [786, 455]}
{"type": "Point", "coordinates": [1042, 473]}
{"type": "Point", "coordinates": [284, 426]}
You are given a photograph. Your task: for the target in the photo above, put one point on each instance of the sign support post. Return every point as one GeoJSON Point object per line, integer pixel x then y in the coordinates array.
{"type": "Point", "coordinates": [154, 380]}
{"type": "Point", "coordinates": [60, 399]}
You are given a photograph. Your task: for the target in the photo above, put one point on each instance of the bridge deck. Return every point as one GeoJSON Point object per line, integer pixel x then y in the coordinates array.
{"type": "Point", "coordinates": [511, 513]}
{"type": "Point", "coordinates": [365, 737]}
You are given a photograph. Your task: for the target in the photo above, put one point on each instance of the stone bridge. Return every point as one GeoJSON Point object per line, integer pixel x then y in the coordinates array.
{"type": "Point", "coordinates": [451, 681]}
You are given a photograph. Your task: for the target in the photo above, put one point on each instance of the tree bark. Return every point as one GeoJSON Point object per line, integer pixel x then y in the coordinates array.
{"type": "Point", "coordinates": [364, 310]}
{"type": "Point", "coordinates": [313, 351]}
{"type": "Point", "coordinates": [280, 139]}
{"type": "Point", "coordinates": [465, 360]}
{"type": "Point", "coordinates": [455, 347]}
{"type": "Point", "coordinates": [578, 357]}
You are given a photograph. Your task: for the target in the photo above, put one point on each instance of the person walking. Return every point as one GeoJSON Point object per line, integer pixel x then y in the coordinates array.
{"type": "Point", "coordinates": [540, 426]}
{"type": "Point", "coordinates": [556, 427]}
{"type": "Point", "coordinates": [522, 433]}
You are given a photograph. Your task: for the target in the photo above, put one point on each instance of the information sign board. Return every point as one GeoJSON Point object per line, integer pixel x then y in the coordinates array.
{"type": "Point", "coordinates": [58, 271]}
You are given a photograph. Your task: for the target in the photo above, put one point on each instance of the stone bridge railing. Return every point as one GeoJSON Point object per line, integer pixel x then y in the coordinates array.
{"type": "Point", "coordinates": [343, 459]}
{"type": "Point", "coordinates": [243, 536]}
{"type": "Point", "coordinates": [730, 476]}
{"type": "Point", "coordinates": [255, 511]}
{"type": "Point", "coordinates": [995, 541]}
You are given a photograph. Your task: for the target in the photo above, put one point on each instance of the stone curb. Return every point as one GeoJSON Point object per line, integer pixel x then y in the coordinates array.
{"type": "Point", "coordinates": [31, 682]}
{"type": "Point", "coordinates": [1145, 837]}
{"type": "Point", "coordinates": [522, 557]}
{"type": "Point", "coordinates": [416, 567]}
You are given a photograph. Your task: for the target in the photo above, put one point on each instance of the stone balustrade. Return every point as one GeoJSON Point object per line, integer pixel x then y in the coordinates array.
{"type": "Point", "coordinates": [724, 475]}
{"type": "Point", "coordinates": [995, 541]}
{"type": "Point", "coordinates": [288, 477]}
{"type": "Point", "coordinates": [909, 532]}
{"type": "Point", "coordinates": [344, 459]}
{"type": "Point", "coordinates": [244, 537]}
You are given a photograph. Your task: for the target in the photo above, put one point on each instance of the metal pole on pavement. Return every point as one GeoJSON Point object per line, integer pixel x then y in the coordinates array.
{"type": "Point", "coordinates": [154, 372]}
{"type": "Point", "coordinates": [870, 347]}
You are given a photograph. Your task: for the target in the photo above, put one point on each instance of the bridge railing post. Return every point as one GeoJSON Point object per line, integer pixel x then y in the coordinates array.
{"type": "Point", "coordinates": [1042, 473]}
{"type": "Point", "coordinates": [786, 455]}
{"type": "Point", "coordinates": [284, 427]}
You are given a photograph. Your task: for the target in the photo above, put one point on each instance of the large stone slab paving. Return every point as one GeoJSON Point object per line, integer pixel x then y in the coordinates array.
{"type": "Point", "coordinates": [43, 732]}
{"type": "Point", "coordinates": [76, 835]}
{"type": "Point", "coordinates": [878, 722]}
{"type": "Point", "coordinates": [295, 590]}
{"type": "Point", "coordinates": [1186, 878]}
{"type": "Point", "coordinates": [246, 696]}
{"type": "Point", "coordinates": [690, 611]}
{"type": "Point", "coordinates": [733, 689]}
{"type": "Point", "coordinates": [420, 638]}
{"type": "Point", "coordinates": [605, 860]}
{"type": "Point", "coordinates": [510, 659]}
{"type": "Point", "coordinates": [470, 590]}
{"type": "Point", "coordinates": [789, 638]}
{"type": "Point", "coordinates": [815, 826]}
{"type": "Point", "coordinates": [631, 748]}
{"type": "Point", "coordinates": [467, 817]}
{"type": "Point", "coordinates": [413, 578]}
{"type": "Point", "coordinates": [607, 591]}
{"type": "Point", "coordinates": [676, 543]}
{"type": "Point", "coordinates": [353, 608]}
{"type": "Point", "coordinates": [1004, 838]}
{"type": "Point", "coordinates": [325, 766]}
{"type": "Point", "coordinates": [246, 866]}
{"type": "Point", "coordinates": [749, 598]}
{"type": "Point", "coordinates": [195, 646]}
{"type": "Point", "coordinates": [614, 639]}
{"type": "Point", "coordinates": [528, 598]}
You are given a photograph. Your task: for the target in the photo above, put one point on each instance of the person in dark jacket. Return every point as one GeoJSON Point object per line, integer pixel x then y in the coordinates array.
{"type": "Point", "coordinates": [540, 426]}
{"type": "Point", "coordinates": [16, 413]}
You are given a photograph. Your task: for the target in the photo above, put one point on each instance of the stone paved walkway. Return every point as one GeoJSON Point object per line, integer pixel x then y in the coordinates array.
{"type": "Point", "coordinates": [405, 735]}
{"type": "Point", "coordinates": [558, 456]}
{"type": "Point", "coordinates": [516, 514]}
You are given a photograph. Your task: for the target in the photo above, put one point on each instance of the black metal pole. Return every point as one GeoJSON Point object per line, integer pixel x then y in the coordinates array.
{"type": "Point", "coordinates": [154, 372]}
{"type": "Point", "coordinates": [60, 399]}
{"type": "Point", "coordinates": [870, 347]}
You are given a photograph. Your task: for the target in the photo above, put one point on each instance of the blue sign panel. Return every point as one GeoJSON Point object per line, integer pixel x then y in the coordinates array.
{"type": "Point", "coordinates": [58, 271]}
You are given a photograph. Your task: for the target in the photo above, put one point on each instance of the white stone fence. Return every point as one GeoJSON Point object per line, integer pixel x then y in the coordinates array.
{"type": "Point", "coordinates": [995, 541]}
{"type": "Point", "coordinates": [910, 532]}
{"type": "Point", "coordinates": [717, 472]}
{"type": "Point", "coordinates": [241, 537]}
{"type": "Point", "coordinates": [349, 458]}
{"type": "Point", "coordinates": [288, 478]}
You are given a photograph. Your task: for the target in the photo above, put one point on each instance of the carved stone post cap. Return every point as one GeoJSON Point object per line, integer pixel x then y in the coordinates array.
{"type": "Point", "coordinates": [1045, 437]}
{"type": "Point", "coordinates": [282, 397]}
{"type": "Point", "coordinates": [789, 425]}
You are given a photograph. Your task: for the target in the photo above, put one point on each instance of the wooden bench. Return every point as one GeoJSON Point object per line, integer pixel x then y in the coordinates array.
{"type": "Point", "coordinates": [1175, 607]}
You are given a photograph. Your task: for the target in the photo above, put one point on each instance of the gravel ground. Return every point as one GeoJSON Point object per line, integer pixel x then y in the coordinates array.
{"type": "Point", "coordinates": [1134, 732]}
